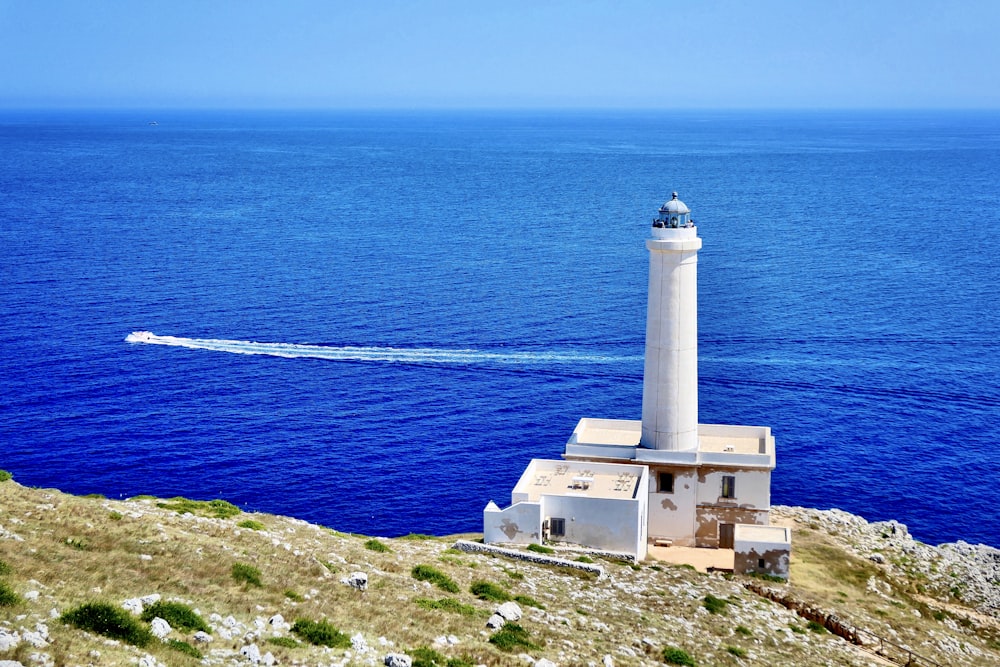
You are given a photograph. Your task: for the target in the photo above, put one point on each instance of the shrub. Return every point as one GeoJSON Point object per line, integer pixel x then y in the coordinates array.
{"type": "Point", "coordinates": [417, 536]}
{"type": "Point", "coordinates": [677, 656]}
{"type": "Point", "coordinates": [108, 620]}
{"type": "Point", "coordinates": [512, 637]}
{"type": "Point", "coordinates": [286, 642]}
{"type": "Point", "coordinates": [447, 604]}
{"type": "Point", "coordinates": [587, 559]}
{"type": "Point", "coordinates": [538, 548]}
{"type": "Point", "coordinates": [292, 595]}
{"type": "Point", "coordinates": [5, 569]}
{"type": "Point", "coordinates": [8, 598]}
{"type": "Point", "coordinates": [818, 628]}
{"type": "Point", "coordinates": [5, 475]}
{"type": "Point", "coordinates": [528, 601]}
{"type": "Point", "coordinates": [743, 630]}
{"type": "Point", "coordinates": [115, 516]}
{"type": "Point", "coordinates": [428, 657]}
{"type": "Point", "coordinates": [737, 651]}
{"type": "Point", "coordinates": [219, 509]}
{"type": "Point", "coordinates": [484, 590]}
{"type": "Point", "coordinates": [177, 614]}
{"type": "Point", "coordinates": [375, 545]}
{"type": "Point", "coordinates": [246, 574]}
{"type": "Point", "coordinates": [250, 524]}
{"type": "Point", "coordinates": [715, 605]}
{"type": "Point", "coordinates": [184, 647]}
{"type": "Point", "coordinates": [436, 577]}
{"type": "Point", "coordinates": [321, 633]}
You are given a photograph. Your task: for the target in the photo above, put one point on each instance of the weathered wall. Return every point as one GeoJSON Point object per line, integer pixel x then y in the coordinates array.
{"type": "Point", "coordinates": [671, 515]}
{"type": "Point", "coordinates": [614, 525]}
{"type": "Point", "coordinates": [521, 523]}
{"type": "Point", "coordinates": [748, 559]}
{"type": "Point", "coordinates": [708, 518]}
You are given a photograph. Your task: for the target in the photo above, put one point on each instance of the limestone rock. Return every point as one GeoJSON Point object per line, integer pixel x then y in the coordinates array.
{"type": "Point", "coordinates": [544, 662]}
{"type": "Point", "coordinates": [9, 639]}
{"type": "Point", "coordinates": [159, 627]}
{"type": "Point", "coordinates": [398, 660]}
{"type": "Point", "coordinates": [202, 637]}
{"type": "Point", "coordinates": [510, 611]}
{"type": "Point", "coordinates": [495, 622]}
{"type": "Point", "coordinates": [252, 653]}
{"type": "Point", "coordinates": [357, 580]}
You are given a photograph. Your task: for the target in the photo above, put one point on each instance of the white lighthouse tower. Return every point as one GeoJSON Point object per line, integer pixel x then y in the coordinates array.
{"type": "Point", "coordinates": [670, 376]}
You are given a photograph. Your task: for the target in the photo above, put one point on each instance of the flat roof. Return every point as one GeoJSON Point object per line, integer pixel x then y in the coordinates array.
{"type": "Point", "coordinates": [712, 438]}
{"type": "Point", "coordinates": [580, 478]}
{"type": "Point", "coordinates": [768, 534]}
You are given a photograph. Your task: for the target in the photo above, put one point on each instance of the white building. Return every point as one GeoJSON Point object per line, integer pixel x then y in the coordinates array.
{"type": "Point", "coordinates": [693, 483]}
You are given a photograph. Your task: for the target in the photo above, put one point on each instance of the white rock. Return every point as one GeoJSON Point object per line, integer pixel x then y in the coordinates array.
{"type": "Point", "coordinates": [132, 605]}
{"type": "Point", "coordinates": [510, 611]}
{"type": "Point", "coordinates": [35, 639]}
{"type": "Point", "coordinates": [230, 622]}
{"type": "Point", "coordinates": [358, 580]}
{"type": "Point", "coordinates": [159, 627]}
{"type": "Point", "coordinates": [359, 644]}
{"type": "Point", "coordinates": [8, 640]}
{"type": "Point", "coordinates": [31, 596]}
{"type": "Point", "coordinates": [544, 662]}
{"type": "Point", "coordinates": [398, 660]}
{"type": "Point", "coordinates": [150, 599]}
{"type": "Point", "coordinates": [251, 653]}
{"type": "Point", "coordinates": [268, 659]}
{"type": "Point", "coordinates": [145, 557]}
{"type": "Point", "coordinates": [277, 620]}
{"type": "Point", "coordinates": [495, 622]}
{"type": "Point", "coordinates": [202, 637]}
{"type": "Point", "coordinates": [608, 661]}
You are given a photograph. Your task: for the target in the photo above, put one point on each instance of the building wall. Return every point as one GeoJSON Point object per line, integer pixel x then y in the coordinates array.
{"type": "Point", "coordinates": [671, 515]}
{"type": "Point", "coordinates": [600, 523]}
{"type": "Point", "coordinates": [521, 523]}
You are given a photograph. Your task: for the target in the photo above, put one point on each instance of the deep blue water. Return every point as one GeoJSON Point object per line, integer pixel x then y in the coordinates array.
{"type": "Point", "coordinates": [847, 291]}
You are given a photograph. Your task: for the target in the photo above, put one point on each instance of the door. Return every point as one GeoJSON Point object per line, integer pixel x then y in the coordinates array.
{"type": "Point", "coordinates": [726, 533]}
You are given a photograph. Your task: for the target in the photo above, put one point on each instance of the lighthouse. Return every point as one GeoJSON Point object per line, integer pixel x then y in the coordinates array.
{"type": "Point", "coordinates": [636, 486]}
{"type": "Point", "coordinates": [670, 375]}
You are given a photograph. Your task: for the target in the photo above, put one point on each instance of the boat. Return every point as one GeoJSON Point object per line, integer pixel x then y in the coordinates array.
{"type": "Point", "coordinates": [140, 337]}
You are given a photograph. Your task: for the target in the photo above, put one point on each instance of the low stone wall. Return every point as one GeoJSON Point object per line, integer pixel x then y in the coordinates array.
{"type": "Point", "coordinates": [529, 556]}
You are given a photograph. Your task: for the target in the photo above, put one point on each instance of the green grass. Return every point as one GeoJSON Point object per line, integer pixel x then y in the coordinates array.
{"type": "Point", "coordinates": [528, 601]}
{"type": "Point", "coordinates": [428, 657]}
{"type": "Point", "coordinates": [715, 605]}
{"type": "Point", "coordinates": [417, 536]}
{"type": "Point", "coordinates": [286, 642]}
{"type": "Point", "coordinates": [484, 590]}
{"type": "Point", "coordinates": [5, 569]}
{"type": "Point", "coordinates": [105, 619]}
{"type": "Point", "coordinates": [321, 633]}
{"type": "Point", "coordinates": [541, 549]}
{"type": "Point", "coordinates": [177, 614]}
{"type": "Point", "coordinates": [677, 656]}
{"type": "Point", "coordinates": [217, 509]}
{"type": "Point", "coordinates": [818, 628]}
{"type": "Point", "coordinates": [737, 651]}
{"type": "Point", "coordinates": [743, 630]}
{"type": "Point", "coordinates": [8, 598]}
{"type": "Point", "coordinates": [184, 647]}
{"type": "Point", "coordinates": [447, 604]}
{"type": "Point", "coordinates": [292, 595]}
{"type": "Point", "coordinates": [250, 524]}
{"type": "Point", "coordinates": [246, 574]}
{"type": "Point", "coordinates": [115, 516]}
{"type": "Point", "coordinates": [585, 559]}
{"type": "Point", "coordinates": [435, 576]}
{"type": "Point", "coordinates": [512, 637]}
{"type": "Point", "coordinates": [375, 545]}
{"type": "Point", "coordinates": [5, 475]}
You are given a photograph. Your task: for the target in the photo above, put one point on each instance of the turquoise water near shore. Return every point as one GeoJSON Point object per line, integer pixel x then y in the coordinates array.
{"type": "Point", "coordinates": [847, 299]}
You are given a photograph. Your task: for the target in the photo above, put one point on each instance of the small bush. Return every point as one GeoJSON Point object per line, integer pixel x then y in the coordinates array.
{"type": "Point", "coordinates": [177, 614]}
{"type": "Point", "coordinates": [584, 559]}
{"type": "Point", "coordinates": [797, 629]}
{"type": "Point", "coordinates": [5, 569]}
{"type": "Point", "coordinates": [447, 604]}
{"type": "Point", "coordinates": [677, 656]}
{"type": "Point", "coordinates": [541, 549]}
{"type": "Point", "coordinates": [743, 630]}
{"type": "Point", "coordinates": [715, 605]}
{"type": "Point", "coordinates": [8, 598]}
{"type": "Point", "coordinates": [321, 633]}
{"type": "Point", "coordinates": [417, 536]}
{"type": "Point", "coordinates": [737, 651]}
{"type": "Point", "coordinates": [292, 595]}
{"type": "Point", "coordinates": [250, 524]}
{"type": "Point", "coordinates": [115, 516]}
{"type": "Point", "coordinates": [375, 545]}
{"type": "Point", "coordinates": [818, 628]}
{"type": "Point", "coordinates": [110, 621]}
{"type": "Point", "coordinates": [484, 590]}
{"type": "Point", "coordinates": [246, 574]}
{"type": "Point", "coordinates": [528, 601]}
{"type": "Point", "coordinates": [286, 642]}
{"type": "Point", "coordinates": [218, 509]}
{"type": "Point", "coordinates": [184, 647]}
{"type": "Point", "coordinates": [428, 657]}
{"type": "Point", "coordinates": [5, 475]}
{"type": "Point", "coordinates": [435, 576]}
{"type": "Point", "coordinates": [512, 637]}
{"type": "Point", "coordinates": [513, 574]}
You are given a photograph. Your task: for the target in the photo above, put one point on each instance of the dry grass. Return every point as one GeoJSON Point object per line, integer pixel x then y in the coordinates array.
{"type": "Point", "coordinates": [77, 550]}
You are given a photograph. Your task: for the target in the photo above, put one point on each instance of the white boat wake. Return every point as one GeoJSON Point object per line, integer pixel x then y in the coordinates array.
{"type": "Point", "coordinates": [411, 355]}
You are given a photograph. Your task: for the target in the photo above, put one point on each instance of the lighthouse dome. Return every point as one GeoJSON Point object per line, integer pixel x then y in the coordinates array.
{"type": "Point", "coordinates": [673, 214]}
{"type": "Point", "coordinates": [675, 205]}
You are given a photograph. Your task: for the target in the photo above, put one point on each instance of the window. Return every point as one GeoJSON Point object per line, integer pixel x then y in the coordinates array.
{"type": "Point", "coordinates": [728, 486]}
{"type": "Point", "coordinates": [557, 527]}
{"type": "Point", "coordinates": [666, 482]}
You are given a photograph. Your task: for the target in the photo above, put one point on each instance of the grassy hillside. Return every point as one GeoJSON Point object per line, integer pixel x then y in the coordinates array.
{"type": "Point", "coordinates": [62, 556]}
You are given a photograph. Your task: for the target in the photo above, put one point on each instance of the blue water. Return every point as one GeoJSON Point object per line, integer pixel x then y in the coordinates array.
{"type": "Point", "coordinates": [465, 286]}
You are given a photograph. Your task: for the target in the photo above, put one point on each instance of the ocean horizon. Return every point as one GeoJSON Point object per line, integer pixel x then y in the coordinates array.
{"type": "Point", "coordinates": [373, 320]}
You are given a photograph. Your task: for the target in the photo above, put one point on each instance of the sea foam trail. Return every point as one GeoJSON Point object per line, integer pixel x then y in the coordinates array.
{"type": "Point", "coordinates": [416, 355]}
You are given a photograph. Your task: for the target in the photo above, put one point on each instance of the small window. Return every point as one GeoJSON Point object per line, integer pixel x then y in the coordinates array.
{"type": "Point", "coordinates": [666, 482]}
{"type": "Point", "coordinates": [760, 563]}
{"type": "Point", "coordinates": [728, 486]}
{"type": "Point", "coordinates": [557, 527]}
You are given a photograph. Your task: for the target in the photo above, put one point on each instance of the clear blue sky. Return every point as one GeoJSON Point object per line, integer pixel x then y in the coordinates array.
{"type": "Point", "coordinates": [503, 53]}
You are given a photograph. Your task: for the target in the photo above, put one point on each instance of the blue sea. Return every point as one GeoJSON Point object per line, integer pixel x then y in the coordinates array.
{"type": "Point", "coordinates": [440, 296]}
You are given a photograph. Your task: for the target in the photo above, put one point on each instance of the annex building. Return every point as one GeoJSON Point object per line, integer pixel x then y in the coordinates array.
{"type": "Point", "coordinates": [665, 479]}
